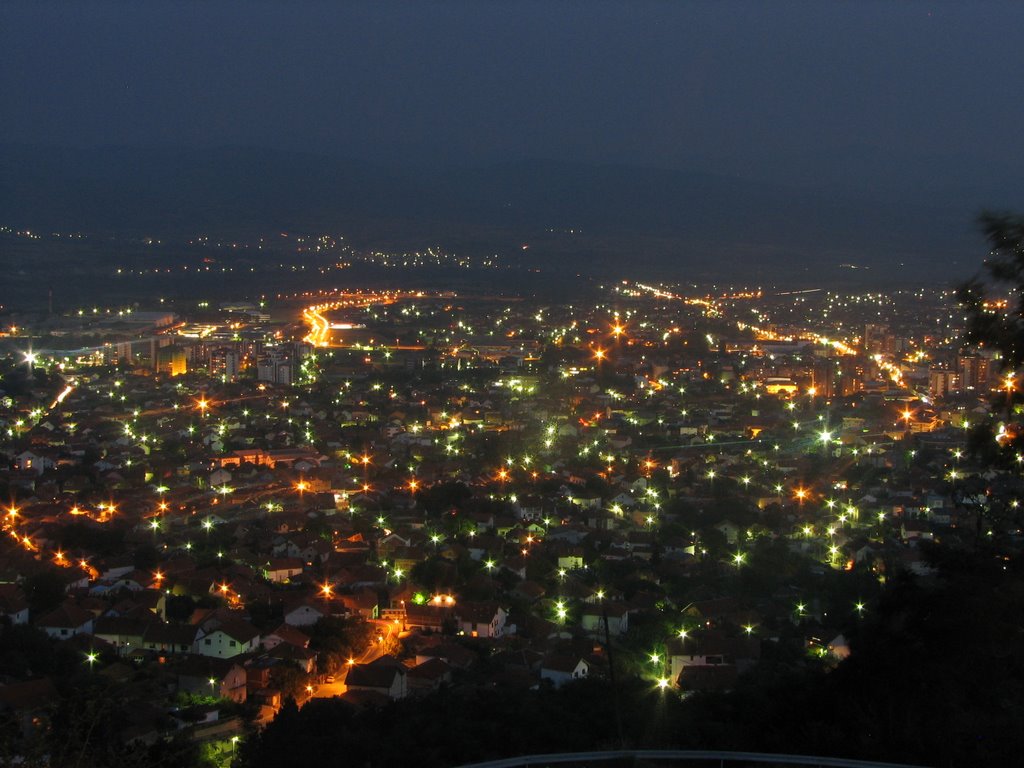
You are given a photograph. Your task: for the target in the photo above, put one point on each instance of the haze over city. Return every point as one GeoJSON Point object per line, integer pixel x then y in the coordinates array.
{"type": "Point", "coordinates": [800, 135]}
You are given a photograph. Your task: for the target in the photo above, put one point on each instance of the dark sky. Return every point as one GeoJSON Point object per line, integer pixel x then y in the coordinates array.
{"type": "Point", "coordinates": [660, 83]}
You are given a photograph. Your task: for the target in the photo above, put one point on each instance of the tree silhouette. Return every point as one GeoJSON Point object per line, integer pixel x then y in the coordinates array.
{"type": "Point", "coordinates": [1002, 331]}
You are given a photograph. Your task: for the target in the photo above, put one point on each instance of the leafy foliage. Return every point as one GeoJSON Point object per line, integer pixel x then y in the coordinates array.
{"type": "Point", "coordinates": [1002, 331]}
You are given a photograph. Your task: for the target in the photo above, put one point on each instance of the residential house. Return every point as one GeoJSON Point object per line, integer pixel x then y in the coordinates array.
{"type": "Point", "coordinates": [13, 604]}
{"type": "Point", "coordinates": [221, 678]}
{"type": "Point", "coordinates": [428, 677]}
{"type": "Point", "coordinates": [481, 619]}
{"type": "Point", "coordinates": [230, 638]}
{"type": "Point", "coordinates": [617, 615]}
{"type": "Point", "coordinates": [285, 634]}
{"type": "Point", "coordinates": [303, 658]}
{"type": "Point", "coordinates": [430, 617]}
{"type": "Point", "coordinates": [560, 669]}
{"type": "Point", "coordinates": [171, 638]}
{"type": "Point", "coordinates": [303, 614]}
{"type": "Point", "coordinates": [692, 655]}
{"type": "Point", "coordinates": [27, 461]}
{"type": "Point", "coordinates": [125, 633]}
{"type": "Point", "coordinates": [280, 570]}
{"type": "Point", "coordinates": [385, 676]}
{"type": "Point", "coordinates": [363, 603]}
{"type": "Point", "coordinates": [66, 621]}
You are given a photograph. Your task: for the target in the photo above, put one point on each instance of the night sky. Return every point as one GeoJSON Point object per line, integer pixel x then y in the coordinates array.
{"type": "Point", "coordinates": [758, 87]}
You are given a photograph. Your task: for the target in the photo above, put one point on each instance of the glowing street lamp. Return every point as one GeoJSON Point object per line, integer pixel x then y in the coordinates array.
{"type": "Point", "coordinates": [560, 610]}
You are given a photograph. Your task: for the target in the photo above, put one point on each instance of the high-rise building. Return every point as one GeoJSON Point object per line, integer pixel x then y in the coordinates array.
{"type": "Point", "coordinates": [874, 339]}
{"type": "Point", "coordinates": [942, 382]}
{"type": "Point", "coordinates": [225, 363]}
{"type": "Point", "coordinates": [276, 366]}
{"type": "Point", "coordinates": [975, 372]}
{"type": "Point", "coordinates": [171, 360]}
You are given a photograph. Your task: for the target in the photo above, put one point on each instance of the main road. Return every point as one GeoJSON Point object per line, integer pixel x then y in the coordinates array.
{"type": "Point", "coordinates": [320, 328]}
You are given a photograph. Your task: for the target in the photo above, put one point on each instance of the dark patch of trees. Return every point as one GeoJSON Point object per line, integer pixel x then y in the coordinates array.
{"type": "Point", "coordinates": [936, 678]}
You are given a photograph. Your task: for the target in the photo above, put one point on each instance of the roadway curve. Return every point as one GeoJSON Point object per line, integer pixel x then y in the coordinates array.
{"type": "Point", "coordinates": [320, 331]}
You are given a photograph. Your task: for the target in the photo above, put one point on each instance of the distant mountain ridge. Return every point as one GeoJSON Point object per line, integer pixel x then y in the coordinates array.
{"type": "Point", "coordinates": [166, 190]}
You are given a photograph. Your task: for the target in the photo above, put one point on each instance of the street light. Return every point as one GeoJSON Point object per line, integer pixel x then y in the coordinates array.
{"type": "Point", "coordinates": [560, 610]}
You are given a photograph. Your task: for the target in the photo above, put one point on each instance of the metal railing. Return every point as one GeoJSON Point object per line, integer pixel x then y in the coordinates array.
{"type": "Point", "coordinates": [715, 756]}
